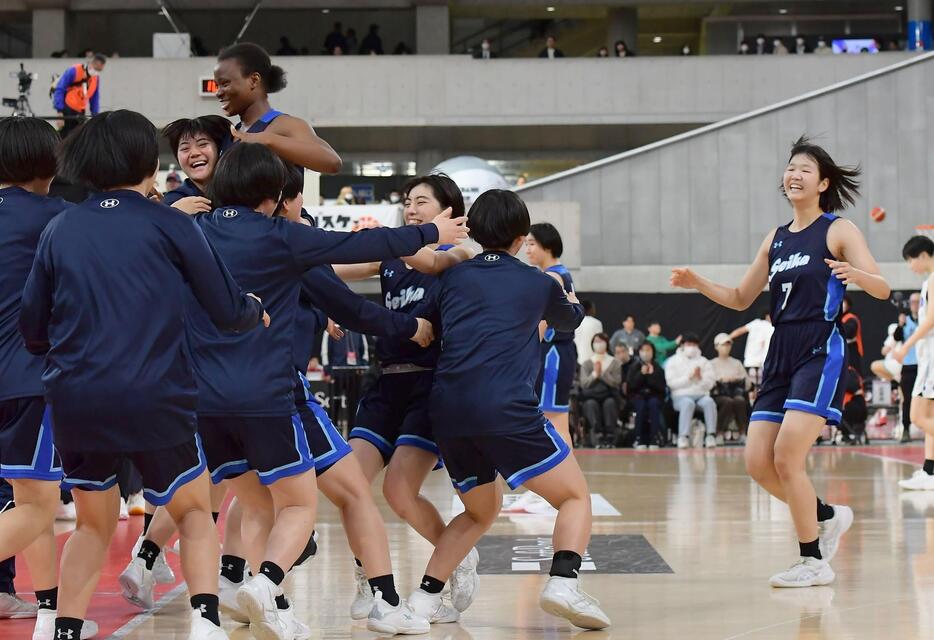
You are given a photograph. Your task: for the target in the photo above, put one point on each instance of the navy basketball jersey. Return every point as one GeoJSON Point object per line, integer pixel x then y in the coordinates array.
{"type": "Point", "coordinates": [568, 284]}
{"type": "Point", "coordinates": [403, 289]}
{"type": "Point", "coordinates": [260, 125]}
{"type": "Point", "coordinates": [802, 287]}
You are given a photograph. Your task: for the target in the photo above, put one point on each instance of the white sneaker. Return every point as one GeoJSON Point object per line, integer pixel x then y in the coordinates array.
{"type": "Point", "coordinates": [136, 505]}
{"type": "Point", "coordinates": [204, 629]}
{"type": "Point", "coordinates": [919, 481]}
{"type": "Point", "coordinates": [363, 601]}
{"type": "Point", "coordinates": [832, 530]}
{"type": "Point", "coordinates": [137, 584]}
{"type": "Point", "coordinates": [12, 606]}
{"type": "Point", "coordinates": [385, 618]}
{"type": "Point", "coordinates": [257, 598]}
{"type": "Point", "coordinates": [465, 582]}
{"type": "Point", "coordinates": [432, 608]}
{"type": "Point", "coordinates": [161, 571]}
{"type": "Point", "coordinates": [45, 626]}
{"type": "Point", "coordinates": [653, 447]}
{"type": "Point", "coordinates": [124, 512]}
{"type": "Point", "coordinates": [684, 442]}
{"type": "Point", "coordinates": [710, 441]}
{"type": "Point", "coordinates": [227, 600]}
{"type": "Point", "coordinates": [806, 572]}
{"type": "Point", "coordinates": [297, 630]}
{"type": "Point", "coordinates": [564, 598]}
{"type": "Point", "coordinates": [641, 447]}
{"type": "Point", "coordinates": [66, 512]}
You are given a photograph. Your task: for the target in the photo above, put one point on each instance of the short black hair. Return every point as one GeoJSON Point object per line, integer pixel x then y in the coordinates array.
{"type": "Point", "coordinates": [546, 235]}
{"type": "Point", "coordinates": [497, 218]}
{"type": "Point", "coordinates": [629, 315]}
{"type": "Point", "coordinates": [844, 187]}
{"type": "Point", "coordinates": [246, 175]}
{"type": "Point", "coordinates": [217, 128]}
{"type": "Point", "coordinates": [651, 345]}
{"type": "Point", "coordinates": [690, 337]}
{"type": "Point", "coordinates": [445, 190]}
{"type": "Point", "coordinates": [294, 182]}
{"type": "Point", "coordinates": [601, 336]}
{"type": "Point", "coordinates": [254, 59]}
{"type": "Point", "coordinates": [100, 57]}
{"type": "Point", "coordinates": [28, 149]}
{"type": "Point", "coordinates": [589, 306]}
{"type": "Point", "coordinates": [112, 149]}
{"type": "Point", "coordinates": [917, 245]}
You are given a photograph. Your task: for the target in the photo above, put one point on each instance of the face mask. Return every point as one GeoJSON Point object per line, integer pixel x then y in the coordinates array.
{"type": "Point", "coordinates": [93, 72]}
{"type": "Point", "coordinates": [821, 43]}
{"type": "Point", "coordinates": [348, 198]}
{"type": "Point", "coordinates": [760, 40]}
{"type": "Point", "coordinates": [599, 347]}
{"type": "Point", "coordinates": [394, 199]}
{"type": "Point", "coordinates": [691, 351]}
{"type": "Point", "coordinates": [744, 48]}
{"type": "Point", "coordinates": [646, 356]}
{"type": "Point", "coordinates": [686, 51]}
{"type": "Point", "coordinates": [799, 41]}
{"type": "Point", "coordinates": [485, 46]}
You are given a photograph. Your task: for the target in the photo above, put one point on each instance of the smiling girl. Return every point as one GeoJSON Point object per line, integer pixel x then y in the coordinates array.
{"type": "Point", "coordinates": [806, 265]}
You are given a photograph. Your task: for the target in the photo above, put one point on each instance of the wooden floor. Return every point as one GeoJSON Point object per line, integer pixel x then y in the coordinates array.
{"type": "Point", "coordinates": [711, 540]}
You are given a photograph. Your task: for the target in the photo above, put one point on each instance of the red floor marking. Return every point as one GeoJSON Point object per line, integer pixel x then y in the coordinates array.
{"type": "Point", "coordinates": [912, 453]}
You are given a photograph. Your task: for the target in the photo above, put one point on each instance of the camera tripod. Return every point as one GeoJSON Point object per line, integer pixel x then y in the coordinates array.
{"type": "Point", "coordinates": [21, 107]}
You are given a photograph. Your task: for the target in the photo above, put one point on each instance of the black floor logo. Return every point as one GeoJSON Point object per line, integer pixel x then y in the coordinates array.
{"type": "Point", "coordinates": [504, 555]}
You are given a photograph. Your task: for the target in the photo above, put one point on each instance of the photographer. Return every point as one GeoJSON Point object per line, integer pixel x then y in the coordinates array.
{"type": "Point", "coordinates": [78, 90]}
{"type": "Point", "coordinates": [731, 388]}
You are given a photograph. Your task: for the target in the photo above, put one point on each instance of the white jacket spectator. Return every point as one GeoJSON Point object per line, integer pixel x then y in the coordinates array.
{"type": "Point", "coordinates": [690, 377]}
{"type": "Point", "coordinates": [583, 335]}
{"type": "Point", "coordinates": [758, 335]}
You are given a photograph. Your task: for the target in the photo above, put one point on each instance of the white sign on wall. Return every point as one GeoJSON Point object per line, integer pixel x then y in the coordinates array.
{"type": "Point", "coordinates": [356, 217]}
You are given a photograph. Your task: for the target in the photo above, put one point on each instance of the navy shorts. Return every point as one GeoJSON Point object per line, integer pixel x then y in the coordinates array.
{"type": "Point", "coordinates": [803, 371]}
{"type": "Point", "coordinates": [275, 447]}
{"type": "Point", "coordinates": [518, 457]}
{"type": "Point", "coordinates": [27, 451]}
{"type": "Point", "coordinates": [556, 377]}
{"type": "Point", "coordinates": [325, 441]}
{"type": "Point", "coordinates": [163, 470]}
{"type": "Point", "coordinates": [394, 413]}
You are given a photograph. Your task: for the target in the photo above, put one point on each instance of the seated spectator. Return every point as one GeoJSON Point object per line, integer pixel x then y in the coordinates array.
{"type": "Point", "coordinates": [172, 181]}
{"type": "Point", "coordinates": [551, 50]}
{"type": "Point", "coordinates": [888, 368]}
{"type": "Point", "coordinates": [822, 48]}
{"type": "Point", "coordinates": [621, 353]}
{"type": "Point", "coordinates": [603, 52]}
{"type": "Point", "coordinates": [744, 48]}
{"type": "Point", "coordinates": [761, 48]}
{"type": "Point", "coordinates": [601, 378]}
{"type": "Point", "coordinates": [779, 48]}
{"type": "Point", "coordinates": [663, 346]}
{"type": "Point", "coordinates": [583, 335]}
{"type": "Point", "coordinates": [346, 196]}
{"type": "Point", "coordinates": [337, 51]}
{"type": "Point", "coordinates": [486, 51]}
{"type": "Point", "coordinates": [800, 46]}
{"type": "Point", "coordinates": [372, 43]}
{"type": "Point", "coordinates": [335, 39]}
{"type": "Point", "coordinates": [690, 377]}
{"type": "Point", "coordinates": [731, 389]}
{"type": "Point", "coordinates": [645, 390]}
{"type": "Point", "coordinates": [286, 48]}
{"type": "Point", "coordinates": [628, 335]}
{"type": "Point", "coordinates": [621, 50]}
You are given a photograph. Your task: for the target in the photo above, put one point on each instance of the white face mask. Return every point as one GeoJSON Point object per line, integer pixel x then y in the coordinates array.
{"type": "Point", "coordinates": [645, 356]}
{"type": "Point", "coordinates": [394, 198]}
{"type": "Point", "coordinates": [686, 50]}
{"type": "Point", "coordinates": [485, 46]}
{"type": "Point", "coordinates": [348, 198]}
{"type": "Point", "coordinates": [744, 48]}
{"type": "Point", "coordinates": [599, 347]}
{"type": "Point", "coordinates": [93, 72]}
{"type": "Point", "coordinates": [691, 351]}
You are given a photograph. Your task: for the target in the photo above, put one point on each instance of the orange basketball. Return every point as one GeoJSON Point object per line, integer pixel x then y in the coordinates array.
{"type": "Point", "coordinates": [877, 214]}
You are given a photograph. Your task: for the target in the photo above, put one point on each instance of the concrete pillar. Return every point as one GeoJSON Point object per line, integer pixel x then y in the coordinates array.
{"type": "Point", "coordinates": [427, 159]}
{"type": "Point", "coordinates": [919, 25]}
{"type": "Point", "coordinates": [48, 32]}
{"type": "Point", "coordinates": [432, 29]}
{"type": "Point", "coordinates": [622, 24]}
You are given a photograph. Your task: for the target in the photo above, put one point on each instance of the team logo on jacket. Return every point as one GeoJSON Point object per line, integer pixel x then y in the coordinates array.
{"type": "Point", "coordinates": [230, 213]}
{"type": "Point", "coordinates": [491, 257]}
{"type": "Point", "coordinates": [110, 203]}
{"type": "Point", "coordinates": [388, 273]}
{"type": "Point", "coordinates": [793, 261]}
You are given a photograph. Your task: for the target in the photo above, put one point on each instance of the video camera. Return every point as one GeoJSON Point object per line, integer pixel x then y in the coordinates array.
{"type": "Point", "coordinates": [20, 104]}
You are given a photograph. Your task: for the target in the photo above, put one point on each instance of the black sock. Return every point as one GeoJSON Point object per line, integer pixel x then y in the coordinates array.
{"type": "Point", "coordinates": [206, 604]}
{"type": "Point", "coordinates": [272, 571]}
{"type": "Point", "coordinates": [565, 564]}
{"type": "Point", "coordinates": [215, 515]}
{"type": "Point", "coordinates": [147, 520]}
{"type": "Point", "coordinates": [824, 511]}
{"type": "Point", "coordinates": [387, 588]}
{"type": "Point", "coordinates": [810, 549]}
{"type": "Point", "coordinates": [149, 551]}
{"type": "Point", "coordinates": [232, 568]}
{"type": "Point", "coordinates": [929, 467]}
{"type": "Point", "coordinates": [431, 585]}
{"type": "Point", "coordinates": [358, 563]}
{"type": "Point", "coordinates": [47, 598]}
{"type": "Point", "coordinates": [309, 552]}
{"type": "Point", "coordinates": [282, 602]}
{"type": "Point", "coordinates": [68, 628]}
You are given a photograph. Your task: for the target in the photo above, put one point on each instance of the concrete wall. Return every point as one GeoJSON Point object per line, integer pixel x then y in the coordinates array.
{"type": "Point", "coordinates": [709, 198]}
{"type": "Point", "coordinates": [418, 91]}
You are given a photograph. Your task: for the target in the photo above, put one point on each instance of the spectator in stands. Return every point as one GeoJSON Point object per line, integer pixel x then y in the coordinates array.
{"type": "Point", "coordinates": [686, 50]}
{"type": "Point", "coordinates": [335, 39]}
{"type": "Point", "coordinates": [628, 335]}
{"type": "Point", "coordinates": [761, 48]}
{"type": "Point", "coordinates": [603, 52]}
{"type": "Point", "coordinates": [601, 378]}
{"type": "Point", "coordinates": [645, 390]}
{"type": "Point", "coordinates": [907, 324]}
{"type": "Point", "coordinates": [822, 48]}
{"type": "Point", "coordinates": [663, 346]}
{"type": "Point", "coordinates": [77, 91]}
{"type": "Point", "coordinates": [690, 377]}
{"type": "Point", "coordinates": [621, 50]}
{"type": "Point", "coordinates": [759, 334]}
{"type": "Point", "coordinates": [172, 181]}
{"type": "Point", "coordinates": [486, 51]}
{"type": "Point", "coordinates": [350, 351]}
{"type": "Point", "coordinates": [372, 43]}
{"type": "Point", "coordinates": [853, 333]}
{"type": "Point", "coordinates": [350, 39]}
{"type": "Point", "coordinates": [551, 49]}
{"type": "Point", "coordinates": [346, 196]}
{"type": "Point", "coordinates": [588, 328]}
{"type": "Point", "coordinates": [779, 48]}
{"type": "Point", "coordinates": [800, 46]}
{"type": "Point", "coordinates": [731, 389]}
{"type": "Point", "coordinates": [286, 48]}
{"type": "Point", "coordinates": [888, 368]}
{"type": "Point", "coordinates": [337, 51]}
{"type": "Point", "coordinates": [402, 49]}
{"type": "Point", "coordinates": [744, 48]}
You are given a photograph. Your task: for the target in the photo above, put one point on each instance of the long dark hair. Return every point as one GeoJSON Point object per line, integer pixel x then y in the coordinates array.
{"type": "Point", "coordinates": [844, 187]}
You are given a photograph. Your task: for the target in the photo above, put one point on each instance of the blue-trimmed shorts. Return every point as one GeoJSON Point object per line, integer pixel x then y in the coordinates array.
{"type": "Point", "coordinates": [394, 413]}
{"type": "Point", "coordinates": [325, 441]}
{"type": "Point", "coordinates": [804, 371]}
{"type": "Point", "coordinates": [27, 451]}
{"type": "Point", "coordinates": [275, 447]}
{"type": "Point", "coordinates": [518, 457]}
{"type": "Point", "coordinates": [556, 377]}
{"type": "Point", "coordinates": [163, 470]}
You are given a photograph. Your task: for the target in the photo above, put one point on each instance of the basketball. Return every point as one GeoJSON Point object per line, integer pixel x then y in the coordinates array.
{"type": "Point", "coordinates": [877, 214]}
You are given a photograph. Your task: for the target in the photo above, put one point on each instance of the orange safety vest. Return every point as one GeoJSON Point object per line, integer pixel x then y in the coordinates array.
{"type": "Point", "coordinates": [859, 331]}
{"type": "Point", "coordinates": [78, 94]}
